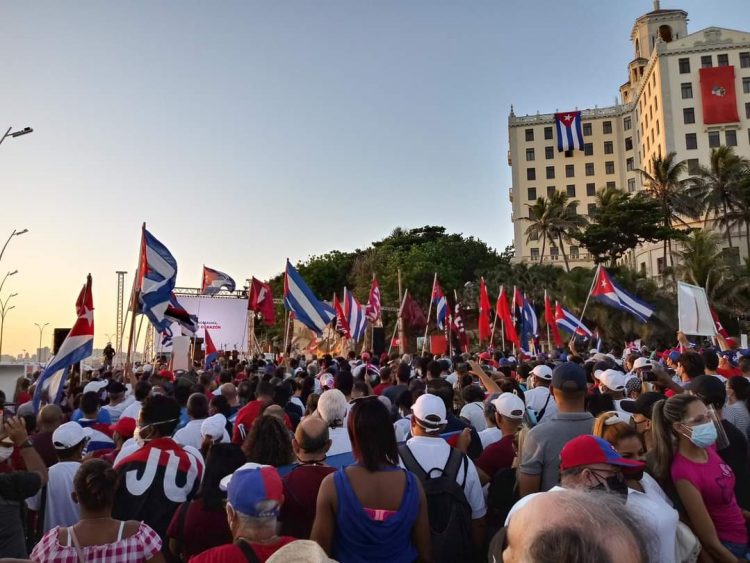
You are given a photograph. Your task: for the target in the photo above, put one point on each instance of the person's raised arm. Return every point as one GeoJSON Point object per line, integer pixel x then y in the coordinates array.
{"type": "Point", "coordinates": [324, 526]}
{"type": "Point", "coordinates": [15, 429]}
{"type": "Point", "coordinates": [487, 381]}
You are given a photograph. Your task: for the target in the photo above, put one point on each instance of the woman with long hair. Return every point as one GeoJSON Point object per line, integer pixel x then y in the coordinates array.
{"type": "Point", "coordinates": [268, 442]}
{"type": "Point", "coordinates": [684, 432]}
{"type": "Point", "coordinates": [98, 536]}
{"type": "Point", "coordinates": [372, 510]}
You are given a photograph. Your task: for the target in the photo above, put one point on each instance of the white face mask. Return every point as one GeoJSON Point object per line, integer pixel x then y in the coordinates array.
{"type": "Point", "coordinates": [5, 453]}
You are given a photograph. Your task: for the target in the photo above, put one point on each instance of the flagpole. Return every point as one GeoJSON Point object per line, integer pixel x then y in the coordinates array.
{"type": "Point", "coordinates": [395, 328]}
{"type": "Point", "coordinates": [429, 312]}
{"type": "Point", "coordinates": [580, 319]}
{"type": "Point", "coordinates": [400, 318]}
{"type": "Point", "coordinates": [549, 342]}
{"type": "Point", "coordinates": [134, 296]}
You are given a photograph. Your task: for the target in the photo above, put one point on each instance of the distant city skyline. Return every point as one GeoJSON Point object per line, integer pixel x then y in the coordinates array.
{"type": "Point", "coordinates": [244, 133]}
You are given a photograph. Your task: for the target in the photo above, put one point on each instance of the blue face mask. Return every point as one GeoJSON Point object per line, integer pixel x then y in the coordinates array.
{"type": "Point", "coordinates": [703, 435]}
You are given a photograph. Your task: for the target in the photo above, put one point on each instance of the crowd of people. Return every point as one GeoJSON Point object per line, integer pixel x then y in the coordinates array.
{"type": "Point", "coordinates": [630, 455]}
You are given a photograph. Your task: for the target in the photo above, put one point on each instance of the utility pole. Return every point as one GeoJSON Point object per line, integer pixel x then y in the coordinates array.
{"type": "Point", "coordinates": [120, 312]}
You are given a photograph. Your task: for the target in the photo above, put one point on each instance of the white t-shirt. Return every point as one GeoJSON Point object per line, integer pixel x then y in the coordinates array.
{"type": "Point", "coordinates": [432, 453]}
{"type": "Point", "coordinates": [190, 434]}
{"type": "Point", "coordinates": [60, 509]}
{"type": "Point", "coordinates": [658, 515]}
{"type": "Point", "coordinates": [133, 410]}
{"type": "Point", "coordinates": [474, 413]}
{"type": "Point", "coordinates": [536, 398]}
{"type": "Point", "coordinates": [402, 428]}
{"type": "Point", "coordinates": [116, 411]}
{"type": "Point", "coordinates": [340, 442]}
{"type": "Point", "coordinates": [490, 436]}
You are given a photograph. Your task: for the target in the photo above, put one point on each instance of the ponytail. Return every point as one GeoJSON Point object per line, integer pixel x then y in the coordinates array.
{"type": "Point", "coordinates": [665, 414]}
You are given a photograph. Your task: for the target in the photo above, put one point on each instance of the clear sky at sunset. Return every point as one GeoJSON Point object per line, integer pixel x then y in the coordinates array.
{"type": "Point", "coordinates": [245, 132]}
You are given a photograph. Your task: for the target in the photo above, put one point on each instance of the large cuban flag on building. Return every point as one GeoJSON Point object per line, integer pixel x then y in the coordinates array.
{"type": "Point", "coordinates": [78, 345]}
{"type": "Point", "coordinates": [606, 291]}
{"type": "Point", "coordinates": [300, 300]}
{"type": "Point", "coordinates": [569, 131]}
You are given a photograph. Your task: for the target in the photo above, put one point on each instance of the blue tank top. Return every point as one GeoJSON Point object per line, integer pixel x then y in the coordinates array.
{"type": "Point", "coordinates": [362, 539]}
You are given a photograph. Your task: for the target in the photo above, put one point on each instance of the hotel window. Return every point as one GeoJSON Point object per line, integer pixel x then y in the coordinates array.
{"type": "Point", "coordinates": [706, 61]}
{"type": "Point", "coordinates": [573, 251]}
{"type": "Point", "coordinates": [554, 252]}
{"type": "Point", "coordinates": [547, 133]}
{"type": "Point", "coordinates": [656, 103]}
{"type": "Point", "coordinates": [745, 59]}
{"type": "Point", "coordinates": [590, 189]}
{"type": "Point", "coordinates": [589, 169]}
{"type": "Point", "coordinates": [631, 185]}
{"type": "Point", "coordinates": [591, 208]}
{"type": "Point", "coordinates": [731, 138]}
{"type": "Point", "coordinates": [535, 254]}
{"type": "Point", "coordinates": [609, 167]}
{"type": "Point", "coordinates": [629, 164]}
{"type": "Point", "coordinates": [570, 171]}
{"type": "Point", "coordinates": [568, 154]}
{"type": "Point", "coordinates": [713, 139]}
{"type": "Point", "coordinates": [588, 149]}
{"type": "Point", "coordinates": [609, 147]}
{"type": "Point", "coordinates": [550, 172]}
{"type": "Point", "coordinates": [529, 134]}
{"type": "Point", "coordinates": [610, 185]}
{"type": "Point", "coordinates": [684, 66]}
{"type": "Point", "coordinates": [693, 166]}
{"type": "Point", "coordinates": [529, 154]}
{"type": "Point", "coordinates": [746, 85]}
{"type": "Point", "coordinates": [606, 127]}
{"type": "Point", "coordinates": [534, 235]}
{"type": "Point", "coordinates": [691, 141]}
{"type": "Point", "coordinates": [747, 110]}
{"type": "Point", "coordinates": [627, 124]}
{"type": "Point", "coordinates": [587, 129]}
{"type": "Point", "coordinates": [549, 153]}
{"type": "Point", "coordinates": [532, 194]}
{"type": "Point", "coordinates": [687, 90]}
{"type": "Point", "coordinates": [722, 60]}
{"type": "Point", "coordinates": [688, 115]}
{"type": "Point", "coordinates": [570, 189]}
{"type": "Point", "coordinates": [657, 126]}
{"type": "Point", "coordinates": [530, 174]}
{"type": "Point", "coordinates": [628, 143]}
{"type": "Point", "coordinates": [660, 265]}
{"type": "Point", "coordinates": [550, 191]}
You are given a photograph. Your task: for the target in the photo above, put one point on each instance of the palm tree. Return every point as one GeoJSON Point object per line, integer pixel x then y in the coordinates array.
{"type": "Point", "coordinates": [671, 194]}
{"type": "Point", "coordinates": [701, 260]}
{"type": "Point", "coordinates": [717, 187]}
{"type": "Point", "coordinates": [565, 221]}
{"type": "Point", "coordinates": [540, 219]}
{"type": "Point", "coordinates": [740, 215]}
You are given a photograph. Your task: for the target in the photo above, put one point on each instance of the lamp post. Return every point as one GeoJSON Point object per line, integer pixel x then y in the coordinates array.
{"type": "Point", "coordinates": [14, 134]}
{"type": "Point", "coordinates": [13, 273]}
{"type": "Point", "coordinates": [4, 310]}
{"type": "Point", "coordinates": [15, 233]}
{"type": "Point", "coordinates": [39, 350]}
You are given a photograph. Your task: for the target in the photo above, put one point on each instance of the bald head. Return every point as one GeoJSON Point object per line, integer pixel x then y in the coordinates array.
{"type": "Point", "coordinates": [229, 392]}
{"type": "Point", "coordinates": [311, 439]}
{"type": "Point", "coordinates": [49, 418]}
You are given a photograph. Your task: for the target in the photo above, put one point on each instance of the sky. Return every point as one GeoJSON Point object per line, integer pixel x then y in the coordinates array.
{"type": "Point", "coordinates": [247, 132]}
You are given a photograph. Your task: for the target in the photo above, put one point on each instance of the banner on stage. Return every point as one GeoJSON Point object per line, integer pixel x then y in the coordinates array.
{"type": "Point", "coordinates": [225, 318]}
{"type": "Point", "coordinates": [693, 311]}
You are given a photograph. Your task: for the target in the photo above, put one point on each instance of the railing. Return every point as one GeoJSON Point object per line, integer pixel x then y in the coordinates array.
{"type": "Point", "coordinates": [610, 111]}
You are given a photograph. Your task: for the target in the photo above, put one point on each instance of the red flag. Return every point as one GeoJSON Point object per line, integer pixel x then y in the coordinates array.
{"type": "Point", "coordinates": [549, 318]}
{"type": "Point", "coordinates": [373, 303]}
{"type": "Point", "coordinates": [719, 327]}
{"type": "Point", "coordinates": [412, 313]}
{"type": "Point", "coordinates": [718, 96]}
{"type": "Point", "coordinates": [507, 318]}
{"type": "Point", "coordinates": [485, 329]}
{"type": "Point", "coordinates": [210, 347]}
{"type": "Point", "coordinates": [261, 301]}
{"type": "Point", "coordinates": [459, 329]}
{"type": "Point", "coordinates": [342, 325]}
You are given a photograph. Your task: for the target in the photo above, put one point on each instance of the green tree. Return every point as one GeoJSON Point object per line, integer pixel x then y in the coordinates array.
{"type": "Point", "coordinates": [566, 222]}
{"type": "Point", "coordinates": [701, 261]}
{"type": "Point", "coordinates": [541, 221]}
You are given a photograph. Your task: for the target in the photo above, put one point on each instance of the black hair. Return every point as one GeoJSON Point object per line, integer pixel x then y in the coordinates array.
{"type": "Point", "coordinates": [710, 359]}
{"type": "Point", "coordinates": [222, 460]}
{"type": "Point", "coordinates": [442, 389]}
{"type": "Point", "coordinates": [95, 483]}
{"type": "Point", "coordinates": [435, 368]}
{"type": "Point", "coordinates": [182, 394]}
{"type": "Point", "coordinates": [692, 363]}
{"type": "Point", "coordinates": [404, 373]}
{"type": "Point", "coordinates": [741, 388]}
{"type": "Point", "coordinates": [90, 402]}
{"type": "Point", "coordinates": [282, 393]}
{"type": "Point", "coordinates": [371, 433]}
{"type": "Point", "coordinates": [472, 394]}
{"type": "Point", "coordinates": [344, 382]}
{"type": "Point", "coordinates": [268, 442]}
{"type": "Point", "coordinates": [264, 389]}
{"type": "Point", "coordinates": [362, 387]}
{"type": "Point", "coordinates": [226, 376]}
{"type": "Point", "coordinates": [162, 412]}
{"type": "Point", "coordinates": [197, 406]}
{"type": "Point", "coordinates": [221, 404]}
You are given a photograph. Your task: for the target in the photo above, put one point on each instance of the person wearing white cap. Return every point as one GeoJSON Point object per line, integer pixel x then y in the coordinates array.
{"type": "Point", "coordinates": [612, 383]}
{"type": "Point", "coordinates": [509, 412]}
{"type": "Point", "coordinates": [538, 398]}
{"type": "Point", "coordinates": [213, 431]}
{"type": "Point", "coordinates": [69, 439]}
{"type": "Point", "coordinates": [428, 453]}
{"type": "Point", "coordinates": [190, 434]}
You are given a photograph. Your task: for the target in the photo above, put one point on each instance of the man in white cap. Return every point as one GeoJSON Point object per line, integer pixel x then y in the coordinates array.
{"type": "Point", "coordinates": [612, 382]}
{"type": "Point", "coordinates": [68, 439]}
{"type": "Point", "coordinates": [509, 411]}
{"type": "Point", "coordinates": [428, 454]}
{"type": "Point", "coordinates": [538, 398]}
{"type": "Point", "coordinates": [214, 431]}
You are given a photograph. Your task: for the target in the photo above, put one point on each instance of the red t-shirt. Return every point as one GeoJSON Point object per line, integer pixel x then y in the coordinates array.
{"type": "Point", "coordinates": [233, 554]}
{"type": "Point", "coordinates": [245, 418]}
{"type": "Point", "coordinates": [497, 456]}
{"type": "Point", "coordinates": [729, 372]}
{"type": "Point", "coordinates": [380, 387]}
{"type": "Point", "coordinates": [203, 528]}
{"type": "Point", "coordinates": [301, 487]}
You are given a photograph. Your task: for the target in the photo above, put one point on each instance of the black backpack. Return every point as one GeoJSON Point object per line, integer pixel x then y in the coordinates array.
{"type": "Point", "coordinates": [448, 510]}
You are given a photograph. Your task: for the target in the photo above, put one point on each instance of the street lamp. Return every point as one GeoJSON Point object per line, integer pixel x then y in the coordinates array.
{"type": "Point", "coordinates": [13, 273]}
{"type": "Point", "coordinates": [39, 350]}
{"type": "Point", "coordinates": [14, 134]}
{"type": "Point", "coordinates": [15, 233]}
{"type": "Point", "coordinates": [4, 310]}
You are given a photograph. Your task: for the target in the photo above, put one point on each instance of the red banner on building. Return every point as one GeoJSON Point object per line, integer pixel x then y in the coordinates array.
{"type": "Point", "coordinates": [718, 96]}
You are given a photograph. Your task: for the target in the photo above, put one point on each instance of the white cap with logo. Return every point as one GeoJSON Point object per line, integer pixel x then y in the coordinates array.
{"type": "Point", "coordinates": [542, 371]}
{"type": "Point", "coordinates": [429, 412]}
{"type": "Point", "coordinates": [510, 405]}
{"type": "Point", "coordinates": [69, 434]}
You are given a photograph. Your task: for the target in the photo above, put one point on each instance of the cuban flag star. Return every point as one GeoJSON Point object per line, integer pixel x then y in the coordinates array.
{"type": "Point", "coordinates": [214, 281]}
{"type": "Point", "coordinates": [569, 322]}
{"type": "Point", "coordinates": [606, 291]}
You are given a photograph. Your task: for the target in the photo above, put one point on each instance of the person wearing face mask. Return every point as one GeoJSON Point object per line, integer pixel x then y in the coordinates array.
{"type": "Point", "coordinates": [160, 475]}
{"type": "Point", "coordinates": [684, 434]}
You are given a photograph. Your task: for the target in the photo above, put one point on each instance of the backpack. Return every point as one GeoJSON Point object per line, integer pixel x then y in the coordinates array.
{"type": "Point", "coordinates": [447, 508]}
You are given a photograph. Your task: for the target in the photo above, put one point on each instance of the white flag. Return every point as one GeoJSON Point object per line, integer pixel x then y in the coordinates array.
{"type": "Point", "coordinates": [693, 312]}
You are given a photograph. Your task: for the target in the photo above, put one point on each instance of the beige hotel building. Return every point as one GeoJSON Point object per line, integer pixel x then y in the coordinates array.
{"type": "Point", "coordinates": [659, 112]}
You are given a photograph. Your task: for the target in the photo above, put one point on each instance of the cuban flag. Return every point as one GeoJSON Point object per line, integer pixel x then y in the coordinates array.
{"type": "Point", "coordinates": [211, 352]}
{"type": "Point", "coordinates": [341, 324]}
{"type": "Point", "coordinates": [529, 323]}
{"type": "Point", "coordinates": [300, 300]}
{"type": "Point", "coordinates": [78, 345]}
{"type": "Point", "coordinates": [214, 281]}
{"type": "Point", "coordinates": [355, 316]}
{"type": "Point", "coordinates": [605, 290]}
{"type": "Point", "coordinates": [569, 322]}
{"type": "Point", "coordinates": [373, 302]}
{"type": "Point", "coordinates": [157, 274]}
{"type": "Point", "coordinates": [569, 131]}
{"type": "Point", "coordinates": [441, 305]}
